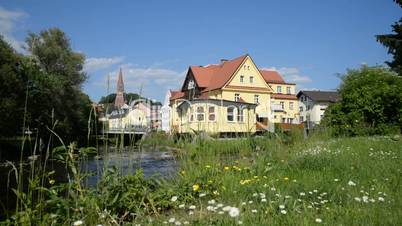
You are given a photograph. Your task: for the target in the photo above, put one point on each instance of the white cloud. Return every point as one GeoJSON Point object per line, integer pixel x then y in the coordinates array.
{"type": "Point", "coordinates": [93, 64]}
{"type": "Point", "coordinates": [8, 21]}
{"type": "Point", "coordinates": [291, 74]}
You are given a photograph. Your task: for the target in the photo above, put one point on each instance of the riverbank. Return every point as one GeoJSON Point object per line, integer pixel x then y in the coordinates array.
{"type": "Point", "coordinates": [278, 180]}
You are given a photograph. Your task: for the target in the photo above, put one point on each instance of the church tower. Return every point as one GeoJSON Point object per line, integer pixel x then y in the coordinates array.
{"type": "Point", "coordinates": [119, 101]}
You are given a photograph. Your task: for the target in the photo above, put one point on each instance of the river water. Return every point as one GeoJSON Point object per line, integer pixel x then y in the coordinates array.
{"type": "Point", "coordinates": [153, 161]}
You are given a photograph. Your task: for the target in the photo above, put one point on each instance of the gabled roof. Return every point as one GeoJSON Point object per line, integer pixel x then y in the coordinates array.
{"type": "Point", "coordinates": [176, 95]}
{"type": "Point", "coordinates": [320, 96]}
{"type": "Point", "coordinates": [215, 76]}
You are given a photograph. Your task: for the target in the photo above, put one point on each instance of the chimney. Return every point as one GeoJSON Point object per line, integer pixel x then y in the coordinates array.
{"type": "Point", "coordinates": [223, 61]}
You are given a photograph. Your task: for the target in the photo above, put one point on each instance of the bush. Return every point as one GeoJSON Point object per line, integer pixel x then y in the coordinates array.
{"type": "Point", "coordinates": [371, 103]}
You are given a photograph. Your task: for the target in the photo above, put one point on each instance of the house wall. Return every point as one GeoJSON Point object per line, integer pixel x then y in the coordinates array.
{"type": "Point", "coordinates": [182, 121]}
{"type": "Point", "coordinates": [315, 112]}
{"type": "Point", "coordinates": [287, 112]}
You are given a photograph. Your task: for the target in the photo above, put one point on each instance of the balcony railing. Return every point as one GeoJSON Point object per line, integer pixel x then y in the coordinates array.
{"type": "Point", "coordinates": [276, 107]}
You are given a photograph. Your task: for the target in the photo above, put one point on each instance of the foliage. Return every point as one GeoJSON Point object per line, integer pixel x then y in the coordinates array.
{"type": "Point", "coordinates": [371, 103]}
{"type": "Point", "coordinates": [44, 89]}
{"type": "Point", "coordinates": [394, 44]}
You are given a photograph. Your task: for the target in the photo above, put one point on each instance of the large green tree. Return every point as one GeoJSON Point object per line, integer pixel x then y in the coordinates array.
{"type": "Point", "coordinates": [52, 52]}
{"type": "Point", "coordinates": [371, 103]}
{"type": "Point", "coordinates": [394, 44]}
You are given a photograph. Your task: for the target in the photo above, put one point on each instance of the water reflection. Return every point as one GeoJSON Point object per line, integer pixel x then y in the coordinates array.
{"type": "Point", "coordinates": [152, 162]}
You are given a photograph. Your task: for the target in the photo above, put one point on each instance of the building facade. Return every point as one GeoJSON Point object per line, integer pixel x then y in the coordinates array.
{"type": "Point", "coordinates": [312, 105]}
{"type": "Point", "coordinates": [233, 96]}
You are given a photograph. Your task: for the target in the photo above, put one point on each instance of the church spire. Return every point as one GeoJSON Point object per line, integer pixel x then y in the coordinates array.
{"type": "Point", "coordinates": [119, 101]}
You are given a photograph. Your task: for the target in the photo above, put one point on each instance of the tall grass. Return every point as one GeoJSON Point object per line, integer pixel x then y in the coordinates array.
{"type": "Point", "coordinates": [274, 179]}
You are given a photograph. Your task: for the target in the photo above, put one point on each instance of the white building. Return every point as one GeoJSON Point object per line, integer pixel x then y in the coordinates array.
{"type": "Point", "coordinates": [165, 111]}
{"type": "Point", "coordinates": [312, 105]}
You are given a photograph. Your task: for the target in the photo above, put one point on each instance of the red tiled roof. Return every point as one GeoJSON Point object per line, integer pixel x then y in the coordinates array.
{"type": "Point", "coordinates": [214, 76]}
{"type": "Point", "coordinates": [272, 76]}
{"type": "Point", "coordinates": [176, 95]}
{"type": "Point", "coordinates": [284, 96]}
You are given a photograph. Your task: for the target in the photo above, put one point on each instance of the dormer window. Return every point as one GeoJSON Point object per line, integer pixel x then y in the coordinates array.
{"type": "Point", "coordinates": [241, 78]}
{"type": "Point", "coordinates": [251, 79]}
{"type": "Point", "coordinates": [279, 89]}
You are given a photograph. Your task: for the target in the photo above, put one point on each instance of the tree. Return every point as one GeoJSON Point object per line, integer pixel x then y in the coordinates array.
{"type": "Point", "coordinates": [371, 103]}
{"type": "Point", "coordinates": [394, 44]}
{"type": "Point", "coordinates": [52, 52]}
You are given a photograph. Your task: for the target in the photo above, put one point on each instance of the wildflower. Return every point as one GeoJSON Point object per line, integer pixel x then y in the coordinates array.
{"type": "Point", "coordinates": [284, 212]}
{"type": "Point", "coordinates": [273, 189]}
{"type": "Point", "coordinates": [192, 207]}
{"type": "Point", "coordinates": [221, 212]}
{"type": "Point", "coordinates": [186, 222]}
{"type": "Point", "coordinates": [243, 203]}
{"type": "Point", "coordinates": [207, 166]}
{"type": "Point", "coordinates": [202, 195]}
{"type": "Point", "coordinates": [173, 199]}
{"type": "Point", "coordinates": [177, 223]}
{"type": "Point", "coordinates": [172, 220]}
{"type": "Point", "coordinates": [183, 172]}
{"type": "Point", "coordinates": [318, 220]}
{"type": "Point", "coordinates": [226, 208]}
{"type": "Point", "coordinates": [302, 194]}
{"type": "Point", "coordinates": [226, 168]}
{"type": "Point", "coordinates": [215, 192]}
{"type": "Point", "coordinates": [181, 206]}
{"type": "Point", "coordinates": [196, 187]}
{"type": "Point", "coordinates": [240, 222]}
{"type": "Point", "coordinates": [250, 202]}
{"type": "Point", "coordinates": [281, 207]}
{"type": "Point", "coordinates": [190, 212]}
{"type": "Point", "coordinates": [210, 208]}
{"type": "Point", "coordinates": [381, 199]}
{"type": "Point", "coordinates": [78, 223]}
{"type": "Point", "coordinates": [336, 179]}
{"type": "Point", "coordinates": [263, 200]}
{"type": "Point", "coordinates": [51, 182]}
{"type": "Point", "coordinates": [211, 202]}
{"type": "Point", "coordinates": [286, 178]}
{"type": "Point", "coordinates": [365, 199]}
{"type": "Point", "coordinates": [219, 205]}
{"type": "Point", "coordinates": [351, 183]}
{"type": "Point", "coordinates": [234, 212]}
{"type": "Point", "coordinates": [254, 211]}
{"type": "Point", "coordinates": [358, 199]}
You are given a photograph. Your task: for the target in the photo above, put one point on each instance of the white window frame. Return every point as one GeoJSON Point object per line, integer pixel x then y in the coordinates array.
{"type": "Point", "coordinates": [237, 97]}
{"type": "Point", "coordinates": [256, 99]}
{"type": "Point", "coordinates": [288, 90]}
{"type": "Point", "coordinates": [200, 113]}
{"type": "Point", "coordinates": [240, 115]}
{"type": "Point", "coordinates": [279, 89]}
{"type": "Point", "coordinates": [211, 113]}
{"type": "Point", "coordinates": [232, 114]}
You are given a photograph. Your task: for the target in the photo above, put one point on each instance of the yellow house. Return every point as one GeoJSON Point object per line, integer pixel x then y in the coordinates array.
{"type": "Point", "coordinates": [284, 102]}
{"type": "Point", "coordinates": [230, 97]}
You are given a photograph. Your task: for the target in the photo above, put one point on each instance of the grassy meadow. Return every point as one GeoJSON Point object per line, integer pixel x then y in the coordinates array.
{"type": "Point", "coordinates": [272, 180]}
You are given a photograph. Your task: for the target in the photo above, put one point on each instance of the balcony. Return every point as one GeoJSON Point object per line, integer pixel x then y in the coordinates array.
{"type": "Point", "coordinates": [276, 107]}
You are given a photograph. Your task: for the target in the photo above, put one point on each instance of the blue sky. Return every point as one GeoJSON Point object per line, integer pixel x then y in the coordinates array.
{"type": "Point", "coordinates": [308, 42]}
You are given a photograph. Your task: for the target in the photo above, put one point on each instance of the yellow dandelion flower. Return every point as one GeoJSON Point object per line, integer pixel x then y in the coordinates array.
{"type": "Point", "coordinates": [286, 178]}
{"type": "Point", "coordinates": [183, 172]}
{"type": "Point", "coordinates": [51, 182]}
{"type": "Point", "coordinates": [210, 181]}
{"type": "Point", "coordinates": [207, 166]}
{"type": "Point", "coordinates": [226, 168]}
{"type": "Point", "coordinates": [196, 187]}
